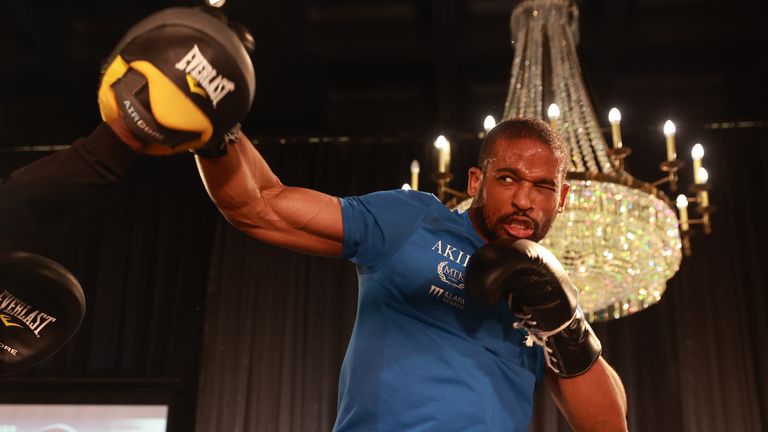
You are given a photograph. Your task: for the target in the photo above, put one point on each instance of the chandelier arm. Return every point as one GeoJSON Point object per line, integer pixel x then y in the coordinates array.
{"type": "Point", "coordinates": [457, 193]}
{"type": "Point", "coordinates": [524, 89]}
{"type": "Point", "coordinates": [557, 53]}
{"type": "Point", "coordinates": [537, 68]}
{"type": "Point", "coordinates": [519, 43]}
{"type": "Point", "coordinates": [579, 124]}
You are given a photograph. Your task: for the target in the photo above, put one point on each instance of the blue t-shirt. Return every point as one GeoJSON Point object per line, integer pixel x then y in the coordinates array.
{"type": "Point", "coordinates": [423, 357]}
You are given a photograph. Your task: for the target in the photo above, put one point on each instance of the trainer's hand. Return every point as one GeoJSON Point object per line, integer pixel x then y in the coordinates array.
{"type": "Point", "coordinates": [120, 128]}
{"type": "Point", "coordinates": [537, 289]}
{"type": "Point", "coordinates": [181, 80]}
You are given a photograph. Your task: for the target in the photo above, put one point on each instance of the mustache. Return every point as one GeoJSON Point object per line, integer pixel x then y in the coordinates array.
{"type": "Point", "coordinates": [507, 218]}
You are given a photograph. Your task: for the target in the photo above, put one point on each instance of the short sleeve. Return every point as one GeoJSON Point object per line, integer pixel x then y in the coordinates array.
{"type": "Point", "coordinates": [375, 225]}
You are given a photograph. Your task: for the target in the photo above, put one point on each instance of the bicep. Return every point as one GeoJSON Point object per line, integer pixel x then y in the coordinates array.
{"type": "Point", "coordinates": [295, 218]}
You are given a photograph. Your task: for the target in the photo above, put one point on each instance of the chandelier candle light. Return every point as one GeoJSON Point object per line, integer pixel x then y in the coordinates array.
{"type": "Point", "coordinates": [614, 118]}
{"type": "Point", "coordinates": [444, 154]}
{"type": "Point", "coordinates": [443, 176]}
{"type": "Point", "coordinates": [489, 123]}
{"type": "Point", "coordinates": [553, 112]}
{"type": "Point", "coordinates": [415, 169]}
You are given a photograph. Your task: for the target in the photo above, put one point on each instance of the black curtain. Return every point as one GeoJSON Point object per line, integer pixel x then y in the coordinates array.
{"type": "Point", "coordinates": [275, 337]}
{"type": "Point", "coordinates": [277, 322]}
{"type": "Point", "coordinates": [141, 251]}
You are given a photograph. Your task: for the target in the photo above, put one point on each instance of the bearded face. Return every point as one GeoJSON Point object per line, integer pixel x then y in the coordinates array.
{"type": "Point", "coordinates": [518, 192]}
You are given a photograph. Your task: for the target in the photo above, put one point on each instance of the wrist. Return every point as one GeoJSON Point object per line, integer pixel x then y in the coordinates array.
{"type": "Point", "coordinates": [120, 129]}
{"type": "Point", "coordinates": [218, 146]}
{"type": "Point", "coordinates": [574, 349]}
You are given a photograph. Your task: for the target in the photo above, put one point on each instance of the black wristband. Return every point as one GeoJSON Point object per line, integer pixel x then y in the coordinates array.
{"type": "Point", "coordinates": [217, 147]}
{"type": "Point", "coordinates": [573, 350]}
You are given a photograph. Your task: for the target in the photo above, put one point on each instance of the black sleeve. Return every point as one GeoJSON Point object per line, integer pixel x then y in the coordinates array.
{"type": "Point", "coordinates": [96, 160]}
{"type": "Point", "coordinates": [50, 188]}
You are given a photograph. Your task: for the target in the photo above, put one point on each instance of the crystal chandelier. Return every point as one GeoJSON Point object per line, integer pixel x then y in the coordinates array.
{"type": "Point", "coordinates": [619, 238]}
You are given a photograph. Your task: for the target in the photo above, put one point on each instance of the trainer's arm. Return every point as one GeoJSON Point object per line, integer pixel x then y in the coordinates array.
{"type": "Point", "coordinates": [100, 159]}
{"type": "Point", "coordinates": [38, 195]}
{"type": "Point", "coordinates": [251, 197]}
{"type": "Point", "coordinates": [593, 401]}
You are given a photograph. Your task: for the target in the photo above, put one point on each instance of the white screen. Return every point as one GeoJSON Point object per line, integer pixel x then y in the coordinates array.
{"type": "Point", "coordinates": [83, 418]}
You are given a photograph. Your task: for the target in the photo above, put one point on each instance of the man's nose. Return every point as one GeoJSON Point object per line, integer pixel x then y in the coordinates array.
{"type": "Point", "coordinates": [521, 199]}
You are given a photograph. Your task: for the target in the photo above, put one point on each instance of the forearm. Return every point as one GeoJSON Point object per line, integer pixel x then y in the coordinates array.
{"type": "Point", "coordinates": [593, 401]}
{"type": "Point", "coordinates": [239, 181]}
{"type": "Point", "coordinates": [252, 199]}
{"type": "Point", "coordinates": [96, 160]}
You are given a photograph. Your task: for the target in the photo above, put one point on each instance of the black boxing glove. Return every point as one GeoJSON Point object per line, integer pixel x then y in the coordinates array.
{"type": "Point", "coordinates": [537, 289]}
{"type": "Point", "coordinates": [182, 80]}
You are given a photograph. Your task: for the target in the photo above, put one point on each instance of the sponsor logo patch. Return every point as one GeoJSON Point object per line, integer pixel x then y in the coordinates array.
{"type": "Point", "coordinates": [448, 297]}
{"type": "Point", "coordinates": [450, 275]}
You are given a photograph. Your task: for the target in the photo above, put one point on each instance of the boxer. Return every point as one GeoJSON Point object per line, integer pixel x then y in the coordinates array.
{"type": "Point", "coordinates": [424, 354]}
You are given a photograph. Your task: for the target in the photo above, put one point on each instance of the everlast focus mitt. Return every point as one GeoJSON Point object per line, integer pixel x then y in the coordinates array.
{"type": "Point", "coordinates": [182, 79]}
{"type": "Point", "coordinates": [41, 308]}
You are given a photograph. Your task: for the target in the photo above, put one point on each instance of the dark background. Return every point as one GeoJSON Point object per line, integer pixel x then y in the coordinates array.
{"type": "Point", "coordinates": [237, 335]}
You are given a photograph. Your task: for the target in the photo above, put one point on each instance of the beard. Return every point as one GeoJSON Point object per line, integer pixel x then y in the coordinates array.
{"type": "Point", "coordinates": [493, 227]}
{"type": "Point", "coordinates": [512, 225]}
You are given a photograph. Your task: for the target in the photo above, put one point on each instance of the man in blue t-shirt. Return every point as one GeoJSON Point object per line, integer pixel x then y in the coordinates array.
{"type": "Point", "coordinates": [423, 356]}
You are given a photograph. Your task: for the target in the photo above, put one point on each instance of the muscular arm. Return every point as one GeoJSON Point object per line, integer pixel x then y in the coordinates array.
{"type": "Point", "coordinates": [593, 401]}
{"type": "Point", "coordinates": [251, 197]}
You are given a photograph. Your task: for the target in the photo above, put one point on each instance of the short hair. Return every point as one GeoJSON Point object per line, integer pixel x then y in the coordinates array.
{"type": "Point", "coordinates": [521, 128]}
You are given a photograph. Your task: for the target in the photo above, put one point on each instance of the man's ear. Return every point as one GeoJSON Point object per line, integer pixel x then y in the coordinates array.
{"type": "Point", "coordinates": [474, 180]}
{"type": "Point", "coordinates": [564, 189]}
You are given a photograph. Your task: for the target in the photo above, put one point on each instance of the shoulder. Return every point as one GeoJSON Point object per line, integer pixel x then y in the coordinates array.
{"type": "Point", "coordinates": [392, 201]}
{"type": "Point", "coordinates": [378, 223]}
{"type": "Point", "coordinates": [397, 195]}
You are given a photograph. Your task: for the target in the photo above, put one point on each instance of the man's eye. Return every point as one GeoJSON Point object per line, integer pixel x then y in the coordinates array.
{"type": "Point", "coordinates": [506, 179]}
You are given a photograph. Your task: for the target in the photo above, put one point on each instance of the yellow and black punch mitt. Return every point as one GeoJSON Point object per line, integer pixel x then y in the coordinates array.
{"type": "Point", "coordinates": [182, 79]}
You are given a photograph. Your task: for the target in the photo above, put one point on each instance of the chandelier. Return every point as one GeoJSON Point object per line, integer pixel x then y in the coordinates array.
{"type": "Point", "coordinates": [619, 238]}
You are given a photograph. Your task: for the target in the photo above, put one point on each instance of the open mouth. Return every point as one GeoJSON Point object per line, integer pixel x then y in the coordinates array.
{"type": "Point", "coordinates": [519, 227]}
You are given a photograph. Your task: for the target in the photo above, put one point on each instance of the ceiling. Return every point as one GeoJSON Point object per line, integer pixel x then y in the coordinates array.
{"type": "Point", "coordinates": [393, 66]}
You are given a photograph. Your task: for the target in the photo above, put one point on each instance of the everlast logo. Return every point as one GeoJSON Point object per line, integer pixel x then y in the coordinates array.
{"type": "Point", "coordinates": [10, 306]}
{"type": "Point", "coordinates": [214, 85]}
